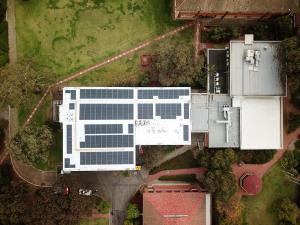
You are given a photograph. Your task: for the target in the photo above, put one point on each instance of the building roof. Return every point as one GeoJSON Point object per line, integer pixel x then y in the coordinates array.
{"type": "Point", "coordinates": [238, 6]}
{"type": "Point", "coordinates": [103, 126]}
{"type": "Point", "coordinates": [261, 123]}
{"type": "Point", "coordinates": [174, 208]}
{"type": "Point", "coordinates": [217, 133]}
{"type": "Point", "coordinates": [199, 112]}
{"type": "Point", "coordinates": [250, 79]}
{"type": "Point", "coordinates": [251, 184]}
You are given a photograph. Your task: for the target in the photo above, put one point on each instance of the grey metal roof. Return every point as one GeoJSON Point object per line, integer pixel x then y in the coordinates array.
{"type": "Point", "coordinates": [217, 131]}
{"type": "Point", "coordinates": [199, 112]}
{"type": "Point", "coordinates": [246, 82]}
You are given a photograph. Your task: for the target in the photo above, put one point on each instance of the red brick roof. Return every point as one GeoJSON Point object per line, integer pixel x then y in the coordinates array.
{"type": "Point", "coordinates": [252, 184]}
{"type": "Point", "coordinates": [174, 208]}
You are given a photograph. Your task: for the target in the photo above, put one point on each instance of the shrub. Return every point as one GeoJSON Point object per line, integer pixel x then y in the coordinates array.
{"type": "Point", "coordinates": [104, 207]}
{"type": "Point", "coordinates": [287, 212]}
{"type": "Point", "coordinates": [293, 122]}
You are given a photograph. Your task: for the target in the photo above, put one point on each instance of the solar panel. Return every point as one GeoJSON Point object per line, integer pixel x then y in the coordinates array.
{"type": "Point", "coordinates": [106, 93]}
{"type": "Point", "coordinates": [107, 141]}
{"type": "Point", "coordinates": [145, 111]}
{"type": "Point", "coordinates": [68, 163]}
{"type": "Point", "coordinates": [106, 112]}
{"type": "Point", "coordinates": [186, 111]}
{"type": "Point", "coordinates": [162, 93]}
{"type": "Point", "coordinates": [186, 133]}
{"type": "Point", "coordinates": [106, 158]}
{"type": "Point", "coordinates": [103, 128]}
{"type": "Point", "coordinates": [130, 128]}
{"type": "Point", "coordinates": [69, 139]}
{"type": "Point", "coordinates": [168, 111]}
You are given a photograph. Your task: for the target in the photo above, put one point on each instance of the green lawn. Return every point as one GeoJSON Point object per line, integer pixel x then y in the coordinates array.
{"type": "Point", "coordinates": [94, 222]}
{"type": "Point", "coordinates": [66, 35]}
{"type": "Point", "coordinates": [186, 160]}
{"type": "Point", "coordinates": [259, 209]}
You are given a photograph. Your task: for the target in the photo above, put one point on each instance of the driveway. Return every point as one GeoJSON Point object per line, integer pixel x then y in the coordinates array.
{"type": "Point", "coordinates": [113, 187]}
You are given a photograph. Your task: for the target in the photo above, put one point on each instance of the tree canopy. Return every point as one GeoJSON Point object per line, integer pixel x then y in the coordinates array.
{"type": "Point", "coordinates": [175, 65]}
{"type": "Point", "coordinates": [287, 212]}
{"type": "Point", "coordinates": [221, 183]}
{"type": "Point", "coordinates": [19, 81]}
{"type": "Point", "coordinates": [21, 205]}
{"type": "Point", "coordinates": [31, 144]}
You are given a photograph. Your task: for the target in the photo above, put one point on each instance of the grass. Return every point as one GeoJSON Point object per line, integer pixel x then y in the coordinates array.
{"type": "Point", "coordinates": [186, 160]}
{"type": "Point", "coordinates": [68, 35]}
{"type": "Point", "coordinates": [101, 221]}
{"type": "Point", "coordinates": [259, 209]}
{"type": "Point", "coordinates": [190, 178]}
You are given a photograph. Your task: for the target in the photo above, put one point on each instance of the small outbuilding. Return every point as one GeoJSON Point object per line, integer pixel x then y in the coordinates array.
{"type": "Point", "coordinates": [250, 183]}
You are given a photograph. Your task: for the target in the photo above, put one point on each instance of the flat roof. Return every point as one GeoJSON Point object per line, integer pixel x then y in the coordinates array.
{"type": "Point", "coordinates": [261, 123]}
{"type": "Point", "coordinates": [217, 131]}
{"type": "Point", "coordinates": [199, 112]}
{"type": "Point", "coordinates": [251, 79]}
{"type": "Point", "coordinates": [238, 6]}
{"type": "Point", "coordinates": [103, 125]}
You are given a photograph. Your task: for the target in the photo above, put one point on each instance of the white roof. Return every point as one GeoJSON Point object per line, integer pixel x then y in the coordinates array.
{"type": "Point", "coordinates": [261, 123]}
{"type": "Point", "coordinates": [251, 79]}
{"type": "Point", "coordinates": [103, 125]}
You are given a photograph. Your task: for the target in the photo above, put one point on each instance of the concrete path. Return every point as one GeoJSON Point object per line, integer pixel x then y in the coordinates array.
{"type": "Point", "coordinates": [11, 20]}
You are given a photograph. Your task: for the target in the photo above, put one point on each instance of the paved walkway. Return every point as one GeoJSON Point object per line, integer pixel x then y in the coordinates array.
{"type": "Point", "coordinates": [11, 20]}
{"type": "Point", "coordinates": [33, 175]}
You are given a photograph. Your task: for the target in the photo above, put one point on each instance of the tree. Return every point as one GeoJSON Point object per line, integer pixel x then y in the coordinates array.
{"type": "Point", "coordinates": [31, 144]}
{"type": "Point", "coordinates": [19, 81]}
{"type": "Point", "coordinates": [175, 65]}
{"type": "Point", "coordinates": [220, 182]}
{"type": "Point", "coordinates": [223, 34]}
{"type": "Point", "coordinates": [293, 122]}
{"type": "Point", "coordinates": [229, 213]}
{"type": "Point", "coordinates": [287, 212]}
{"type": "Point", "coordinates": [21, 205]}
{"type": "Point", "coordinates": [289, 162]}
{"type": "Point", "coordinates": [222, 159]}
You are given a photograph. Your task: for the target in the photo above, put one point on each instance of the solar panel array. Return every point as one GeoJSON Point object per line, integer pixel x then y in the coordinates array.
{"type": "Point", "coordinates": [69, 139]}
{"type": "Point", "coordinates": [106, 158]}
{"type": "Point", "coordinates": [186, 132]}
{"type": "Point", "coordinates": [168, 111]}
{"type": "Point", "coordinates": [145, 111]}
{"type": "Point", "coordinates": [106, 93]}
{"type": "Point", "coordinates": [130, 128]}
{"type": "Point", "coordinates": [106, 112]}
{"type": "Point", "coordinates": [162, 93]}
{"type": "Point", "coordinates": [68, 163]}
{"type": "Point", "coordinates": [103, 128]}
{"type": "Point", "coordinates": [186, 114]}
{"type": "Point", "coordinates": [107, 141]}
{"type": "Point", "coordinates": [73, 94]}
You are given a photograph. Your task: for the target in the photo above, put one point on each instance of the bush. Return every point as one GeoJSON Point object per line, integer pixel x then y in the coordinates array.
{"type": "Point", "coordinates": [256, 156]}
{"type": "Point", "coordinates": [293, 122]}
{"type": "Point", "coordinates": [223, 34]}
{"type": "Point", "coordinates": [104, 207]}
{"type": "Point", "coordinates": [287, 212]}
{"type": "Point", "coordinates": [297, 144]}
